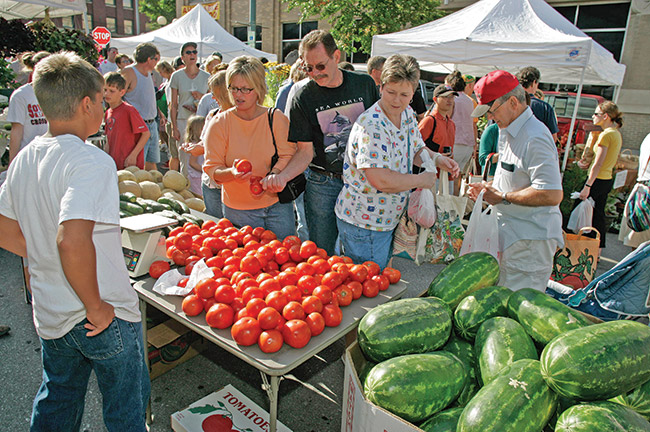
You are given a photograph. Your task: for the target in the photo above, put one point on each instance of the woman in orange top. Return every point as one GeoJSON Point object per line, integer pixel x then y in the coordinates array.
{"type": "Point", "coordinates": [243, 132]}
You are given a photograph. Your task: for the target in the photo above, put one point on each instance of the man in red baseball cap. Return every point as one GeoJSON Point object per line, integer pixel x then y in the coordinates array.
{"type": "Point", "coordinates": [527, 187]}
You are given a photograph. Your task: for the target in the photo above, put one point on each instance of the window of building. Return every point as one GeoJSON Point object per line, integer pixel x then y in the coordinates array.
{"type": "Point", "coordinates": [128, 27]}
{"type": "Point", "coordinates": [241, 33]}
{"type": "Point", "coordinates": [109, 2]}
{"type": "Point", "coordinates": [111, 24]}
{"type": "Point", "coordinates": [292, 33]}
{"type": "Point", "coordinates": [359, 56]}
{"type": "Point", "coordinates": [67, 22]}
{"type": "Point", "coordinates": [89, 17]}
{"type": "Point", "coordinates": [128, 4]}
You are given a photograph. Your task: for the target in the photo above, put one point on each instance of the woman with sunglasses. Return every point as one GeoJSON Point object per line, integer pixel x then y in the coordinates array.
{"type": "Point", "coordinates": [606, 149]}
{"type": "Point", "coordinates": [243, 132]}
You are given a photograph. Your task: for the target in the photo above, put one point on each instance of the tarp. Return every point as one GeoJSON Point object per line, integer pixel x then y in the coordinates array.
{"type": "Point", "coordinates": [509, 35]}
{"type": "Point", "coordinates": [195, 26]}
{"type": "Point", "coordinates": [28, 9]}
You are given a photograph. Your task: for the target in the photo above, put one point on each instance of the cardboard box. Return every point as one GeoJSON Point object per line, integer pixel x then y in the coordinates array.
{"type": "Point", "coordinates": [170, 344]}
{"type": "Point", "coordinates": [358, 413]}
{"type": "Point", "coordinates": [225, 410]}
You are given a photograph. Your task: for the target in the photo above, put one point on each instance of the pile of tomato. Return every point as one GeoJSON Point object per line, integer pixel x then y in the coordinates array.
{"type": "Point", "coordinates": [268, 291]}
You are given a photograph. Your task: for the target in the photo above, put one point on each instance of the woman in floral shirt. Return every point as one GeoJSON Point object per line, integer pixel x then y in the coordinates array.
{"type": "Point", "coordinates": [383, 146]}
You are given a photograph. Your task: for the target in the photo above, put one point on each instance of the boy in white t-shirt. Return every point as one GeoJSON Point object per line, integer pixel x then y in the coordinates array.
{"type": "Point", "coordinates": [60, 208]}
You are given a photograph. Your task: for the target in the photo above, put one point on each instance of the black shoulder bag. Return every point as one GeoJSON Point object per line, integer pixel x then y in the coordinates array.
{"type": "Point", "coordinates": [296, 185]}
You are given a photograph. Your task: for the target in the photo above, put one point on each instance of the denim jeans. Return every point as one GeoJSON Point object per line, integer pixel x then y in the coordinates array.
{"type": "Point", "coordinates": [212, 200]}
{"type": "Point", "coordinates": [278, 218]}
{"type": "Point", "coordinates": [299, 207]}
{"type": "Point", "coordinates": [152, 147]}
{"type": "Point", "coordinates": [362, 244]}
{"type": "Point", "coordinates": [117, 357]}
{"type": "Point", "coordinates": [320, 198]}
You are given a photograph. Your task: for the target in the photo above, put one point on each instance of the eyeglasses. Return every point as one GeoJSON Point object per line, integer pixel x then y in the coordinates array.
{"type": "Point", "coordinates": [242, 90]}
{"type": "Point", "coordinates": [494, 111]}
{"type": "Point", "coordinates": [319, 67]}
{"type": "Point", "coordinates": [191, 52]}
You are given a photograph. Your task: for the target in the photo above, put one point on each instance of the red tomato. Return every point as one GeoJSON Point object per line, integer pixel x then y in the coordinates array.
{"type": "Point", "coordinates": [215, 244]}
{"type": "Point", "coordinates": [306, 285]}
{"type": "Point", "coordinates": [189, 266]}
{"type": "Point", "coordinates": [208, 224]}
{"type": "Point", "coordinates": [205, 288]}
{"type": "Point", "coordinates": [271, 266]}
{"type": "Point", "coordinates": [242, 284]}
{"type": "Point", "coordinates": [241, 313]}
{"type": "Point", "coordinates": [268, 236]}
{"type": "Point", "coordinates": [289, 265]}
{"type": "Point", "coordinates": [370, 288]}
{"type": "Point", "coordinates": [290, 241]}
{"type": "Point", "coordinates": [287, 278]}
{"type": "Point", "coordinates": [293, 310]}
{"type": "Point", "coordinates": [205, 252]}
{"type": "Point", "coordinates": [322, 253]}
{"type": "Point", "coordinates": [246, 229]}
{"type": "Point", "coordinates": [258, 231]}
{"type": "Point", "coordinates": [157, 268]}
{"type": "Point", "coordinates": [183, 282]}
{"type": "Point", "coordinates": [220, 316]}
{"type": "Point", "coordinates": [321, 266]}
{"type": "Point", "coordinates": [243, 166]}
{"type": "Point", "coordinates": [343, 295]}
{"type": "Point", "coordinates": [269, 285]}
{"type": "Point", "coordinates": [191, 228]}
{"type": "Point", "coordinates": [332, 315]}
{"type": "Point", "coordinates": [254, 306]}
{"type": "Point", "coordinates": [237, 304]}
{"type": "Point", "coordinates": [170, 251]}
{"type": "Point", "coordinates": [392, 274]}
{"type": "Point", "coordinates": [341, 268]}
{"type": "Point", "coordinates": [334, 259]}
{"type": "Point", "coordinates": [316, 323]}
{"type": "Point", "coordinates": [296, 333]}
{"type": "Point", "coordinates": [251, 293]}
{"type": "Point", "coordinates": [277, 300]}
{"type": "Point", "coordinates": [225, 254]}
{"type": "Point", "coordinates": [304, 268]}
{"type": "Point", "coordinates": [229, 270]}
{"type": "Point", "coordinates": [270, 341]}
{"type": "Point", "coordinates": [176, 231]}
{"type": "Point", "coordinates": [256, 188]}
{"type": "Point", "coordinates": [355, 288]}
{"type": "Point", "coordinates": [250, 264]}
{"type": "Point", "coordinates": [215, 261]}
{"type": "Point", "coordinates": [183, 241]}
{"type": "Point", "coordinates": [169, 242]}
{"type": "Point", "coordinates": [294, 253]}
{"type": "Point", "coordinates": [233, 260]}
{"type": "Point", "coordinates": [224, 223]}
{"type": "Point", "coordinates": [208, 303]}
{"type": "Point", "coordinates": [292, 292]}
{"type": "Point", "coordinates": [231, 243]}
{"type": "Point", "coordinates": [359, 272]}
{"type": "Point", "coordinates": [312, 304]}
{"type": "Point", "coordinates": [268, 318]}
{"type": "Point", "coordinates": [324, 293]}
{"type": "Point", "coordinates": [373, 268]}
{"type": "Point", "coordinates": [246, 331]}
{"type": "Point", "coordinates": [192, 305]}
{"type": "Point", "coordinates": [382, 282]}
{"type": "Point", "coordinates": [307, 249]}
{"type": "Point", "coordinates": [281, 255]}
{"type": "Point", "coordinates": [262, 277]}
{"type": "Point", "coordinates": [224, 294]}
{"type": "Point", "coordinates": [251, 243]}
{"type": "Point", "coordinates": [332, 279]}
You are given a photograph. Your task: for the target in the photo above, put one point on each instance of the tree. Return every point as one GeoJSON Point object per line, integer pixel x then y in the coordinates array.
{"type": "Point", "coordinates": [155, 8]}
{"type": "Point", "coordinates": [359, 20]}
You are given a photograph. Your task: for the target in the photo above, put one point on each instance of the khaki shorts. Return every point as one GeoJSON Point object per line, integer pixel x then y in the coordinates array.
{"type": "Point", "coordinates": [172, 144]}
{"type": "Point", "coordinates": [527, 264]}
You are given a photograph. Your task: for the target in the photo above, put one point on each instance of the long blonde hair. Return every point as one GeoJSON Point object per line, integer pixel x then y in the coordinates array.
{"type": "Point", "coordinates": [193, 130]}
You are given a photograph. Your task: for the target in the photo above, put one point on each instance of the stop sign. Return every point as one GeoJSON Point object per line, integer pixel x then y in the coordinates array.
{"type": "Point", "coordinates": [101, 35]}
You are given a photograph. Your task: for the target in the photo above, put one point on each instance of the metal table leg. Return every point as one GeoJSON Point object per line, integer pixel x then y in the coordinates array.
{"type": "Point", "coordinates": [143, 315]}
{"type": "Point", "coordinates": [272, 392]}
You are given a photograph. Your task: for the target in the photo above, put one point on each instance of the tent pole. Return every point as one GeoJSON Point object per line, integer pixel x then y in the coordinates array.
{"type": "Point", "coordinates": [573, 120]}
{"type": "Point", "coordinates": [85, 18]}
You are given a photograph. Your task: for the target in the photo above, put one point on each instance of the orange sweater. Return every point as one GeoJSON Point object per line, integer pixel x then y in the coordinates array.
{"type": "Point", "coordinates": [230, 137]}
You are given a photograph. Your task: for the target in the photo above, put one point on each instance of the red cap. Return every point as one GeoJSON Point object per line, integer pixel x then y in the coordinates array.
{"type": "Point", "coordinates": [491, 87]}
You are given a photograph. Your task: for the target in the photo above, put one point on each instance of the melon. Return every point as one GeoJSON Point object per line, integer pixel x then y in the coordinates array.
{"type": "Point", "coordinates": [174, 180]}
{"type": "Point", "coordinates": [132, 168]}
{"type": "Point", "coordinates": [195, 204]}
{"type": "Point", "coordinates": [186, 194]}
{"type": "Point", "coordinates": [130, 186]}
{"type": "Point", "coordinates": [125, 175]}
{"type": "Point", "coordinates": [157, 176]}
{"type": "Point", "coordinates": [150, 190]}
{"type": "Point", "coordinates": [174, 195]}
{"type": "Point", "coordinates": [142, 175]}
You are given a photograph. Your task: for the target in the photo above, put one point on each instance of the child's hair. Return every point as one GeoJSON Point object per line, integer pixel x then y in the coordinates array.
{"type": "Point", "coordinates": [194, 127]}
{"type": "Point", "coordinates": [61, 81]}
{"type": "Point", "coordinates": [164, 66]}
{"type": "Point", "coordinates": [114, 79]}
{"type": "Point", "coordinates": [30, 60]}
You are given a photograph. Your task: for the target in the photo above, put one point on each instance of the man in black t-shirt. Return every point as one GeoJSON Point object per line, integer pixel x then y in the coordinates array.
{"type": "Point", "coordinates": [322, 114]}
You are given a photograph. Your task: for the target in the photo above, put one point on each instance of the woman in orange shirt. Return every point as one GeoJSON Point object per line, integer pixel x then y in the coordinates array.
{"type": "Point", "coordinates": [243, 132]}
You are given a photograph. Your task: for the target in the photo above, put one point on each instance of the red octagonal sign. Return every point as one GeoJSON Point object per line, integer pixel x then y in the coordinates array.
{"type": "Point", "coordinates": [101, 35]}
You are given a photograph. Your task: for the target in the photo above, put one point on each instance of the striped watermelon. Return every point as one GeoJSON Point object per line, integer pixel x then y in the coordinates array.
{"type": "Point", "coordinates": [499, 343]}
{"type": "Point", "coordinates": [598, 362]}
{"type": "Point", "coordinates": [465, 352]}
{"type": "Point", "coordinates": [444, 421]}
{"type": "Point", "coordinates": [480, 305]}
{"type": "Point", "coordinates": [542, 316]}
{"type": "Point", "coordinates": [601, 416]}
{"type": "Point", "coordinates": [416, 386]}
{"type": "Point", "coordinates": [637, 399]}
{"type": "Point", "coordinates": [408, 326]}
{"type": "Point", "coordinates": [518, 400]}
{"type": "Point", "coordinates": [465, 275]}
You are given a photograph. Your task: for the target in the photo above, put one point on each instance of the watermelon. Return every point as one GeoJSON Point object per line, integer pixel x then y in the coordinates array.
{"type": "Point", "coordinates": [408, 326]}
{"type": "Point", "coordinates": [444, 421]}
{"type": "Point", "coordinates": [598, 362]}
{"type": "Point", "coordinates": [465, 352]}
{"type": "Point", "coordinates": [480, 305]}
{"type": "Point", "coordinates": [465, 275]}
{"type": "Point", "coordinates": [416, 386]}
{"type": "Point", "coordinates": [500, 342]}
{"type": "Point", "coordinates": [637, 399]}
{"type": "Point", "coordinates": [542, 316]}
{"type": "Point", "coordinates": [601, 416]}
{"type": "Point", "coordinates": [518, 400]}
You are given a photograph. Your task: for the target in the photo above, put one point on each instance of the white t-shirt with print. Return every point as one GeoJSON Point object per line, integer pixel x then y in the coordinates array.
{"type": "Point", "coordinates": [53, 180]}
{"type": "Point", "coordinates": [24, 109]}
{"type": "Point", "coordinates": [375, 142]}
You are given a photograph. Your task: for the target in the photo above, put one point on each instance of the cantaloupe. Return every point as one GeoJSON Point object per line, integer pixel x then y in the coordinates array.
{"type": "Point", "coordinates": [161, 185]}
{"type": "Point", "coordinates": [174, 180]}
{"type": "Point", "coordinates": [195, 204]}
{"type": "Point", "coordinates": [157, 176]}
{"type": "Point", "coordinates": [132, 168]}
{"type": "Point", "coordinates": [142, 175]}
{"type": "Point", "coordinates": [130, 186]}
{"type": "Point", "coordinates": [175, 195]}
{"type": "Point", "coordinates": [186, 194]}
{"type": "Point", "coordinates": [125, 175]}
{"type": "Point", "coordinates": [150, 190]}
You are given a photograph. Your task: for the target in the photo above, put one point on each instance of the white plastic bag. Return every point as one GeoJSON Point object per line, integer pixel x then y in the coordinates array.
{"type": "Point", "coordinates": [482, 234]}
{"type": "Point", "coordinates": [167, 284]}
{"type": "Point", "coordinates": [422, 205]}
{"type": "Point", "coordinates": [581, 216]}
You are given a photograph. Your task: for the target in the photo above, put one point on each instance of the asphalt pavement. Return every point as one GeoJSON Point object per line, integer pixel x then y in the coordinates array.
{"type": "Point", "coordinates": [310, 396]}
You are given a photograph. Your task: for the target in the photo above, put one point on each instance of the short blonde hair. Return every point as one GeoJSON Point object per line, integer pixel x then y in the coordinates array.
{"type": "Point", "coordinates": [252, 70]}
{"type": "Point", "coordinates": [61, 81]}
{"type": "Point", "coordinates": [164, 66]}
{"type": "Point", "coordinates": [398, 68]}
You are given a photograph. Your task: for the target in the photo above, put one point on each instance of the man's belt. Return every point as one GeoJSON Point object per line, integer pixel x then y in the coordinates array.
{"type": "Point", "coordinates": [325, 172]}
{"type": "Point", "coordinates": [150, 121]}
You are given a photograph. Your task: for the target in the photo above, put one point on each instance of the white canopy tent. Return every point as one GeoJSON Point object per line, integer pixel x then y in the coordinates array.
{"type": "Point", "coordinates": [195, 26]}
{"type": "Point", "coordinates": [28, 9]}
{"type": "Point", "coordinates": [509, 35]}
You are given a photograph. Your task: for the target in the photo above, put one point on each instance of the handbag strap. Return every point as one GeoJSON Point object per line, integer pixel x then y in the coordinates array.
{"type": "Point", "coordinates": [274, 158]}
{"type": "Point", "coordinates": [646, 165]}
{"type": "Point", "coordinates": [488, 166]}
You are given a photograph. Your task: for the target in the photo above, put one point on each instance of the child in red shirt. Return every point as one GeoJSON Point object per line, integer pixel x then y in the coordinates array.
{"type": "Point", "coordinates": [126, 131]}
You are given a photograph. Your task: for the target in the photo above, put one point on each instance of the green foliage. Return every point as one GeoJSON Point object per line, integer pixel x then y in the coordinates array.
{"type": "Point", "coordinates": [6, 75]}
{"type": "Point", "coordinates": [14, 38]}
{"type": "Point", "coordinates": [573, 180]}
{"type": "Point", "coordinates": [51, 39]}
{"type": "Point", "coordinates": [155, 8]}
{"type": "Point", "coordinates": [276, 73]}
{"type": "Point", "coordinates": [359, 20]}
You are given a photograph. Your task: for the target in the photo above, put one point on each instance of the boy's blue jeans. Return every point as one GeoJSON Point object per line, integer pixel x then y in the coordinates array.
{"type": "Point", "coordinates": [117, 357]}
{"type": "Point", "coordinates": [321, 193]}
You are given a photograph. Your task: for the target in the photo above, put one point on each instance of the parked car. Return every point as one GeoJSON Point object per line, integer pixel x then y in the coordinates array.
{"type": "Point", "coordinates": [564, 103]}
{"type": "Point", "coordinates": [426, 89]}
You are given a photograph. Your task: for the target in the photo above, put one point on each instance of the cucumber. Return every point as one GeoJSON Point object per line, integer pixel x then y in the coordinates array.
{"type": "Point", "coordinates": [175, 206]}
{"type": "Point", "coordinates": [131, 208]}
{"type": "Point", "coordinates": [128, 197]}
{"type": "Point", "coordinates": [184, 208]}
{"type": "Point", "coordinates": [194, 219]}
{"type": "Point", "coordinates": [156, 206]}
{"type": "Point", "coordinates": [124, 214]}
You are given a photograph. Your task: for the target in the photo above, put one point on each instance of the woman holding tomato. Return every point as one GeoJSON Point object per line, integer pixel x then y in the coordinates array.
{"type": "Point", "coordinates": [242, 138]}
{"type": "Point", "coordinates": [383, 145]}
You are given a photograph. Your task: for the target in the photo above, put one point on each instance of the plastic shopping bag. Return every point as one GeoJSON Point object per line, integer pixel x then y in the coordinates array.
{"type": "Point", "coordinates": [581, 215]}
{"type": "Point", "coordinates": [422, 205]}
{"type": "Point", "coordinates": [482, 234]}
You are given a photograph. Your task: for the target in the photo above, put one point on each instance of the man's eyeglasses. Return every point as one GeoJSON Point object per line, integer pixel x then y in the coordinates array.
{"type": "Point", "coordinates": [191, 52]}
{"type": "Point", "coordinates": [242, 90]}
{"type": "Point", "coordinates": [494, 111]}
{"type": "Point", "coordinates": [319, 67]}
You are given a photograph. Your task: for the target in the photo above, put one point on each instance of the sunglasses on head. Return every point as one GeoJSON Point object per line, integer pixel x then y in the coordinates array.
{"type": "Point", "coordinates": [191, 52]}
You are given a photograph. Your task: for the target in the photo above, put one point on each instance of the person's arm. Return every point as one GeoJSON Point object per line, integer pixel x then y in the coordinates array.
{"type": "Point", "coordinates": [15, 138]}
{"type": "Point", "coordinates": [527, 197]}
{"type": "Point", "coordinates": [173, 113]}
{"type": "Point", "coordinates": [79, 262]}
{"type": "Point", "coordinates": [194, 163]}
{"type": "Point", "coordinates": [130, 78]}
{"type": "Point", "coordinates": [298, 163]}
{"type": "Point", "coordinates": [132, 158]}
{"type": "Point", "coordinates": [599, 159]}
{"type": "Point", "coordinates": [11, 237]}
{"type": "Point", "coordinates": [389, 181]}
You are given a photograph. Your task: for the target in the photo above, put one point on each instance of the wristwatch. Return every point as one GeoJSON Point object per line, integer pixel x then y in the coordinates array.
{"type": "Point", "coordinates": [504, 199]}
